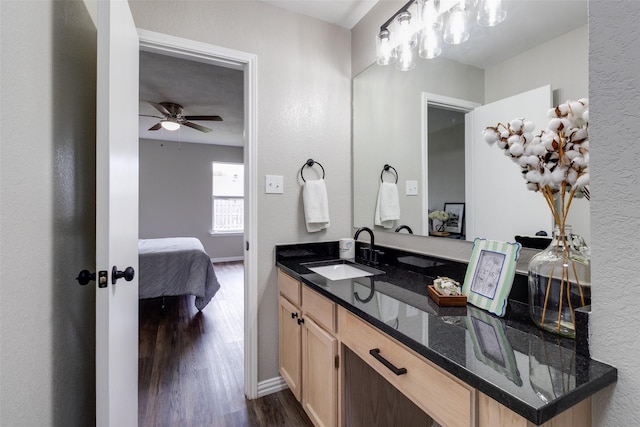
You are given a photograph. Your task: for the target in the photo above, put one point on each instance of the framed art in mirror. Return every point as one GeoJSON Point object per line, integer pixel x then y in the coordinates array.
{"type": "Point", "coordinates": [455, 222]}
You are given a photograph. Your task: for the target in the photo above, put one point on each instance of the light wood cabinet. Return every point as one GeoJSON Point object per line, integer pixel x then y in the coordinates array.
{"type": "Point", "coordinates": [308, 359]}
{"type": "Point", "coordinates": [445, 399]}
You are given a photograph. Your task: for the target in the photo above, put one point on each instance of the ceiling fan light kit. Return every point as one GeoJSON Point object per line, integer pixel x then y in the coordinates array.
{"type": "Point", "coordinates": [173, 118]}
{"type": "Point", "coordinates": [425, 23]}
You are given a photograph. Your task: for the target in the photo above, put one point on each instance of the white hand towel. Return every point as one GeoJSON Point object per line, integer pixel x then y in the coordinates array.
{"type": "Point", "coordinates": [316, 205]}
{"type": "Point", "coordinates": [388, 205]}
{"type": "Point", "coordinates": [388, 308]}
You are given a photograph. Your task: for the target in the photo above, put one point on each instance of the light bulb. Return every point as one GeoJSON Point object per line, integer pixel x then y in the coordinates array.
{"type": "Point", "coordinates": [406, 58]}
{"type": "Point", "coordinates": [429, 13]}
{"type": "Point", "coordinates": [170, 125]}
{"type": "Point", "coordinates": [491, 13]}
{"type": "Point", "coordinates": [405, 34]}
{"type": "Point", "coordinates": [385, 51]}
{"type": "Point", "coordinates": [429, 44]}
{"type": "Point", "coordinates": [455, 32]}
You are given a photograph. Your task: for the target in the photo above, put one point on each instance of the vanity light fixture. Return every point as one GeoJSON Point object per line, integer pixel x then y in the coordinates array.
{"type": "Point", "coordinates": [170, 124]}
{"type": "Point", "coordinates": [426, 23]}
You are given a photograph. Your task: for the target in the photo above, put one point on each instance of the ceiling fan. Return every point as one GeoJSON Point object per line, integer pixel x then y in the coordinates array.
{"type": "Point", "coordinates": [173, 118]}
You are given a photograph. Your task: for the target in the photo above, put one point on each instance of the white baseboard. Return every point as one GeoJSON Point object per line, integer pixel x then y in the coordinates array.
{"type": "Point", "coordinates": [227, 259]}
{"type": "Point", "coordinates": [272, 385]}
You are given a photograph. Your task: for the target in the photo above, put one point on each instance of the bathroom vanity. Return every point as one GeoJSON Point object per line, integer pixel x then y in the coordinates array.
{"type": "Point", "coordinates": [375, 345]}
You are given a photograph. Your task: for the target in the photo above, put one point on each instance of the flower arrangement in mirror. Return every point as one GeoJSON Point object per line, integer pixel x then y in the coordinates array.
{"type": "Point", "coordinates": [555, 163]}
{"type": "Point", "coordinates": [438, 220]}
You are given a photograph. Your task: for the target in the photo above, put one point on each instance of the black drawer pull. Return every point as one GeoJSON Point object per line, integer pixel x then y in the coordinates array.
{"type": "Point", "coordinates": [376, 353]}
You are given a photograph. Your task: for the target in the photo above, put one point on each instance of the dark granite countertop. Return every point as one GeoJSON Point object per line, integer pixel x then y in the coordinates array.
{"type": "Point", "coordinates": [535, 374]}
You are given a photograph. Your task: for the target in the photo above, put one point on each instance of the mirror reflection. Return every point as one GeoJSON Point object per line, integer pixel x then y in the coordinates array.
{"type": "Point", "coordinates": [426, 123]}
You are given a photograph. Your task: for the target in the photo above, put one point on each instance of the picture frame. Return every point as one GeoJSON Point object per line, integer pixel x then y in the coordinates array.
{"type": "Point", "coordinates": [455, 223]}
{"type": "Point", "coordinates": [490, 274]}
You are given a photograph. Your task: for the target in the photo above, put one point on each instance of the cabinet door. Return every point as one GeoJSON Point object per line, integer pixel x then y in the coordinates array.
{"type": "Point", "coordinates": [320, 375]}
{"type": "Point", "coordinates": [290, 344]}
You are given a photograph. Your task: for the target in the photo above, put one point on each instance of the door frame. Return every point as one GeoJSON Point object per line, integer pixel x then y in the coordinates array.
{"type": "Point", "coordinates": [177, 47]}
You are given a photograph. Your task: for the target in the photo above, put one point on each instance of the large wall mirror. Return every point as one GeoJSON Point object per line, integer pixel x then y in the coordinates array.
{"type": "Point", "coordinates": [426, 123]}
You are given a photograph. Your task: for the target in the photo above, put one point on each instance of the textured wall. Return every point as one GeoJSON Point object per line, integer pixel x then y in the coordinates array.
{"type": "Point", "coordinates": [47, 211]}
{"type": "Point", "coordinates": [304, 102]}
{"type": "Point", "coordinates": [175, 193]}
{"type": "Point", "coordinates": [614, 67]}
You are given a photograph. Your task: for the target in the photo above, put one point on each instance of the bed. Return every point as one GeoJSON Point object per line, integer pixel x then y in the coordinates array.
{"type": "Point", "coordinates": [176, 266]}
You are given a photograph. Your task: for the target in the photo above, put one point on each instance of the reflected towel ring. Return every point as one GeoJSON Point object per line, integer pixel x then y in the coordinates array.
{"type": "Point", "coordinates": [386, 169]}
{"type": "Point", "coordinates": [310, 163]}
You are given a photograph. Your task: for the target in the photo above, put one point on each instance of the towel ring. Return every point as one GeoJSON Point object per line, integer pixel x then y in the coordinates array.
{"type": "Point", "coordinates": [386, 168]}
{"type": "Point", "coordinates": [310, 163]}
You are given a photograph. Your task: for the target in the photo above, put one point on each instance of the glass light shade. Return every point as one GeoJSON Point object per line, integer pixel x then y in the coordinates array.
{"type": "Point", "coordinates": [405, 33]}
{"type": "Point", "coordinates": [429, 14]}
{"type": "Point", "coordinates": [491, 13]}
{"type": "Point", "coordinates": [170, 125]}
{"type": "Point", "coordinates": [429, 47]}
{"type": "Point", "coordinates": [455, 32]}
{"type": "Point", "coordinates": [466, 5]}
{"type": "Point", "coordinates": [406, 58]}
{"type": "Point", "coordinates": [385, 52]}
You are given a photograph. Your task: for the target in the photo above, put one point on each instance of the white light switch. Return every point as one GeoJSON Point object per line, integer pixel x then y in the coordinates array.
{"type": "Point", "coordinates": [412, 188]}
{"type": "Point", "coordinates": [273, 184]}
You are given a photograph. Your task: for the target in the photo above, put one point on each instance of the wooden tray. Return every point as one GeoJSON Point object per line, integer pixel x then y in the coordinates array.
{"type": "Point", "coordinates": [446, 300]}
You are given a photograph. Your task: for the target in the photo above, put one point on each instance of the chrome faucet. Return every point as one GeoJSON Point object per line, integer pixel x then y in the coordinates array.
{"type": "Point", "coordinates": [371, 253]}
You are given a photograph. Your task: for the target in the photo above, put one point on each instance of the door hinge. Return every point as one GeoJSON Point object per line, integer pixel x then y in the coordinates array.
{"type": "Point", "coordinates": [337, 361]}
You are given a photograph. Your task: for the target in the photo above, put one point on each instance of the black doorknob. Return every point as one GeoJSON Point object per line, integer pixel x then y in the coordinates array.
{"type": "Point", "coordinates": [128, 274]}
{"type": "Point", "coordinates": [85, 276]}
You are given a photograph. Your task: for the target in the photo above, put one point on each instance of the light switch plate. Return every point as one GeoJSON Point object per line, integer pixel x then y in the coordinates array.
{"type": "Point", "coordinates": [412, 188]}
{"type": "Point", "coordinates": [273, 184]}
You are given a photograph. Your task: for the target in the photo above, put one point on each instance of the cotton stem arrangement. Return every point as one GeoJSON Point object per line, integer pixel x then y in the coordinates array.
{"type": "Point", "coordinates": [554, 162]}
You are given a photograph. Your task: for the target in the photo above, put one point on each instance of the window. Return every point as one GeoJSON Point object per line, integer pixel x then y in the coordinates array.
{"type": "Point", "coordinates": [228, 198]}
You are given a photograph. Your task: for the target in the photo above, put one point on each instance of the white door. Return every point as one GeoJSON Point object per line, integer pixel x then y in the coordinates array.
{"type": "Point", "coordinates": [117, 216]}
{"type": "Point", "coordinates": [498, 203]}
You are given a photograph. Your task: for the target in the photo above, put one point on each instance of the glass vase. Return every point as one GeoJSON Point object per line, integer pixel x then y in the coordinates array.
{"type": "Point", "coordinates": [559, 282]}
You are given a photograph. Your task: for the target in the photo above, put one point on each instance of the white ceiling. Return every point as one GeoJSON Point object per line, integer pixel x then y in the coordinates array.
{"type": "Point", "coordinates": [205, 89]}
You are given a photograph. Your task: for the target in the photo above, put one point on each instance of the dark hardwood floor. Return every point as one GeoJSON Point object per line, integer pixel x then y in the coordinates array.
{"type": "Point", "coordinates": [191, 364]}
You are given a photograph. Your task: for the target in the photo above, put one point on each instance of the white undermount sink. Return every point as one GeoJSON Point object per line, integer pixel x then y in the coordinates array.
{"type": "Point", "coordinates": [341, 270]}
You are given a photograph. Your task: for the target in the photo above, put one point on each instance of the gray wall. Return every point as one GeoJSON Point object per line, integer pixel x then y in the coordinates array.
{"type": "Point", "coordinates": [47, 211]}
{"type": "Point", "coordinates": [614, 67]}
{"type": "Point", "coordinates": [304, 111]}
{"type": "Point", "coordinates": [175, 193]}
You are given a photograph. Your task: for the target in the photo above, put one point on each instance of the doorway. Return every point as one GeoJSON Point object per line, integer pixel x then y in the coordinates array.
{"type": "Point", "coordinates": [205, 53]}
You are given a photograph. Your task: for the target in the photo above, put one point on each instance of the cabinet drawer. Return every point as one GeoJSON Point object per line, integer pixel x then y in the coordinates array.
{"type": "Point", "coordinates": [319, 309]}
{"type": "Point", "coordinates": [442, 397]}
{"type": "Point", "coordinates": [289, 287]}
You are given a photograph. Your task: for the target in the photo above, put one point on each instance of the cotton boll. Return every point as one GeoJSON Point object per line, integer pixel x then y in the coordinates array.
{"type": "Point", "coordinates": [505, 134]}
{"type": "Point", "coordinates": [558, 174]}
{"type": "Point", "coordinates": [572, 175]}
{"type": "Point", "coordinates": [555, 125]}
{"type": "Point", "coordinates": [533, 160]}
{"type": "Point", "coordinates": [528, 126]}
{"type": "Point", "coordinates": [522, 161]}
{"type": "Point", "coordinates": [552, 112]}
{"type": "Point", "coordinates": [514, 139]}
{"type": "Point", "coordinates": [527, 137]}
{"type": "Point", "coordinates": [577, 108]}
{"type": "Point", "coordinates": [579, 134]}
{"type": "Point", "coordinates": [585, 116]}
{"type": "Point", "coordinates": [490, 136]}
{"type": "Point", "coordinates": [502, 144]}
{"type": "Point", "coordinates": [516, 125]}
{"type": "Point", "coordinates": [563, 110]}
{"type": "Point", "coordinates": [582, 180]}
{"type": "Point", "coordinates": [572, 154]}
{"type": "Point", "coordinates": [539, 149]}
{"type": "Point", "coordinates": [532, 186]}
{"type": "Point", "coordinates": [516, 149]}
{"type": "Point", "coordinates": [533, 176]}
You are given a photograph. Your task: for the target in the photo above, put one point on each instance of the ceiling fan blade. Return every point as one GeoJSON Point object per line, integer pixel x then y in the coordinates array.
{"type": "Point", "coordinates": [207, 118]}
{"type": "Point", "coordinates": [156, 126]}
{"type": "Point", "coordinates": [160, 108]}
{"type": "Point", "coordinates": [147, 115]}
{"type": "Point", "coordinates": [195, 126]}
